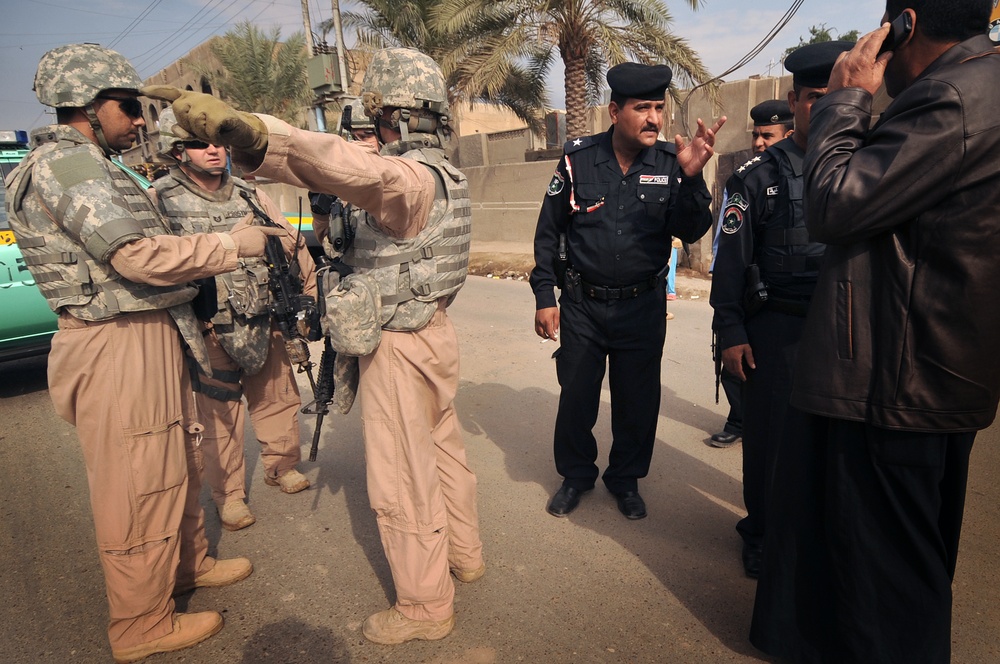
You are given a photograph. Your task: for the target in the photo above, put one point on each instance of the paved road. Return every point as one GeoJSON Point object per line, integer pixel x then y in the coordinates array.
{"type": "Point", "coordinates": [590, 588]}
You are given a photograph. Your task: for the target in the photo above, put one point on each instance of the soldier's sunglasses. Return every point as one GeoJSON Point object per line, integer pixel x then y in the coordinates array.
{"type": "Point", "coordinates": [196, 145]}
{"type": "Point", "coordinates": [130, 105]}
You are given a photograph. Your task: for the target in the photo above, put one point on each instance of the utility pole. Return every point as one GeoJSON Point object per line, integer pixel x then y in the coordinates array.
{"type": "Point", "coordinates": [341, 59]}
{"type": "Point", "coordinates": [307, 26]}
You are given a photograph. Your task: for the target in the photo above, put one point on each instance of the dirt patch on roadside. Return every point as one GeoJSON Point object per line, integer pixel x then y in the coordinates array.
{"type": "Point", "coordinates": [690, 284]}
{"type": "Point", "coordinates": [503, 266]}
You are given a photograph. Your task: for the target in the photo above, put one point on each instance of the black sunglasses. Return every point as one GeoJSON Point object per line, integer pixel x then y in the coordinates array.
{"type": "Point", "coordinates": [130, 105]}
{"type": "Point", "coordinates": [195, 145]}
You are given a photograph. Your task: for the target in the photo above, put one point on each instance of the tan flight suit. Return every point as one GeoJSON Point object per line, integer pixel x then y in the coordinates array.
{"type": "Point", "coordinates": [419, 484]}
{"type": "Point", "coordinates": [272, 393]}
{"type": "Point", "coordinates": [121, 379]}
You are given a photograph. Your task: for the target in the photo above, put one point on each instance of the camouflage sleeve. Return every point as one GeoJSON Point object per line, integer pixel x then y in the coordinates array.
{"type": "Point", "coordinates": [77, 189]}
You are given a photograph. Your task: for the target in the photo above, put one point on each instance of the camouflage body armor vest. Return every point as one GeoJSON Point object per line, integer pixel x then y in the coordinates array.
{"type": "Point", "coordinates": [68, 249]}
{"type": "Point", "coordinates": [242, 319]}
{"type": "Point", "coordinates": [414, 273]}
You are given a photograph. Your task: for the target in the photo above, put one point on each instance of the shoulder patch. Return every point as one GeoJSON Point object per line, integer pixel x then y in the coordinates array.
{"type": "Point", "coordinates": [556, 184]}
{"type": "Point", "coordinates": [732, 219]}
{"type": "Point", "coordinates": [737, 200]}
{"type": "Point", "coordinates": [576, 144]}
{"type": "Point", "coordinates": [76, 167]}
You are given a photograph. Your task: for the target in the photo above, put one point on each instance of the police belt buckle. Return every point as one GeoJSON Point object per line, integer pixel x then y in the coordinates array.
{"type": "Point", "coordinates": [616, 292]}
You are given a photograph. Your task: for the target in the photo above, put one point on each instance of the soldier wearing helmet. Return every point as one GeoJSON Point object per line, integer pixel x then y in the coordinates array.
{"type": "Point", "coordinates": [410, 257]}
{"type": "Point", "coordinates": [248, 357]}
{"type": "Point", "coordinates": [121, 285]}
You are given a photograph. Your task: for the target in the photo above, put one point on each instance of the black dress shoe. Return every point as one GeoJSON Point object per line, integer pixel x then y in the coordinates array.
{"type": "Point", "coordinates": [631, 504]}
{"type": "Point", "coordinates": [565, 500]}
{"type": "Point", "coordinates": [753, 555]}
{"type": "Point", "coordinates": [723, 439]}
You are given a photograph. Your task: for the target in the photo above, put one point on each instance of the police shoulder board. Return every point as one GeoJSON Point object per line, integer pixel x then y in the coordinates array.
{"type": "Point", "coordinates": [577, 144]}
{"type": "Point", "coordinates": [743, 171]}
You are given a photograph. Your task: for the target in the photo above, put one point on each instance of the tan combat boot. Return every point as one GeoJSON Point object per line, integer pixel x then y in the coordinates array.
{"type": "Point", "coordinates": [235, 515]}
{"type": "Point", "coordinates": [224, 573]}
{"type": "Point", "coordinates": [189, 629]}
{"type": "Point", "coordinates": [291, 482]}
{"type": "Point", "coordinates": [469, 575]}
{"type": "Point", "coordinates": [391, 627]}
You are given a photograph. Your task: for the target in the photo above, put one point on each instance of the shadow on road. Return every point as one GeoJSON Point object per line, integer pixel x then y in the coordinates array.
{"type": "Point", "coordinates": [18, 377]}
{"type": "Point", "coordinates": [688, 540]}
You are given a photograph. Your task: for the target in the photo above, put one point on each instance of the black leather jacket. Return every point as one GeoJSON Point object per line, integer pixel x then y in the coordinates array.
{"type": "Point", "coordinates": [904, 324]}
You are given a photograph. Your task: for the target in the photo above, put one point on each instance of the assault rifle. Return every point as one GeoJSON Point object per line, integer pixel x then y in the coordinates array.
{"type": "Point", "coordinates": [323, 390]}
{"type": "Point", "coordinates": [717, 356]}
{"type": "Point", "coordinates": [289, 305]}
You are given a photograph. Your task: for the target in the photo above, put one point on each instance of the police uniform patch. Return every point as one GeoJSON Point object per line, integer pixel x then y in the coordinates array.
{"type": "Point", "coordinates": [556, 184]}
{"type": "Point", "coordinates": [654, 179]}
{"type": "Point", "coordinates": [772, 191]}
{"type": "Point", "coordinates": [732, 219]}
{"type": "Point", "coordinates": [737, 201]}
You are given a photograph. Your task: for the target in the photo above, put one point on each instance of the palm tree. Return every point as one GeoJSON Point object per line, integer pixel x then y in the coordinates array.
{"type": "Point", "coordinates": [519, 85]}
{"type": "Point", "coordinates": [589, 35]}
{"type": "Point", "coordinates": [260, 74]}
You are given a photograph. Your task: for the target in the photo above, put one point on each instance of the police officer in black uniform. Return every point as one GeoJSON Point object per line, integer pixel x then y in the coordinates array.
{"type": "Point", "coordinates": [772, 121]}
{"type": "Point", "coordinates": [604, 236]}
{"type": "Point", "coordinates": [765, 273]}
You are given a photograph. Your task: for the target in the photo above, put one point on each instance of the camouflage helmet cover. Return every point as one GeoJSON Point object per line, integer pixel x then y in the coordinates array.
{"type": "Point", "coordinates": [73, 75]}
{"type": "Point", "coordinates": [404, 78]}
{"type": "Point", "coordinates": [167, 138]}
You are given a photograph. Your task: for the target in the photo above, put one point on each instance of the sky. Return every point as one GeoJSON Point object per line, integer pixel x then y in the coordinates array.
{"type": "Point", "coordinates": [154, 33]}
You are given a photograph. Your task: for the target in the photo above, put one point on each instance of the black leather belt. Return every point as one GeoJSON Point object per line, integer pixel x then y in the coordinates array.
{"type": "Point", "coordinates": [616, 293]}
{"type": "Point", "coordinates": [790, 307]}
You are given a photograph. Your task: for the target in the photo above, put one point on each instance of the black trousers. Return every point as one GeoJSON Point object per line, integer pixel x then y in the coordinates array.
{"type": "Point", "coordinates": [861, 550]}
{"type": "Point", "coordinates": [626, 337]}
{"type": "Point", "coordinates": [733, 387]}
{"type": "Point", "coordinates": [774, 338]}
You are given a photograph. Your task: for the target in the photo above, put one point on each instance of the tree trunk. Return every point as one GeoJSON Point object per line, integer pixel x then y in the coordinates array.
{"type": "Point", "coordinates": [575, 81]}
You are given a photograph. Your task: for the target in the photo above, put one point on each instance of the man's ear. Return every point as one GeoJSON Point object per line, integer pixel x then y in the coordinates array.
{"type": "Point", "coordinates": [613, 110]}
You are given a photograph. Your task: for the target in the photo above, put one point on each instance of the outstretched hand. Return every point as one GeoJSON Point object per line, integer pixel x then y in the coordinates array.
{"type": "Point", "coordinates": [212, 119]}
{"type": "Point", "coordinates": [693, 157]}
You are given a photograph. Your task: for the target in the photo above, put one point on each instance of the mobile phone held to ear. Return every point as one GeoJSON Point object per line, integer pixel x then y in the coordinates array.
{"type": "Point", "coordinates": [899, 30]}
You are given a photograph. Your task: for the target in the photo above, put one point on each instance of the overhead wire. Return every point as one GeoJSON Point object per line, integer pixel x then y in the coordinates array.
{"type": "Point", "coordinates": [135, 22]}
{"type": "Point", "coordinates": [742, 62]}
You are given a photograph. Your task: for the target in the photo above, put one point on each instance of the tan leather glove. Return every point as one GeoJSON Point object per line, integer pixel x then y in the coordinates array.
{"type": "Point", "coordinates": [213, 120]}
{"type": "Point", "coordinates": [250, 240]}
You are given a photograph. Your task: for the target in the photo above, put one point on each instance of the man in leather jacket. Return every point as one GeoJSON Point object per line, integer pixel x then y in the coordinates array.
{"type": "Point", "coordinates": [897, 368]}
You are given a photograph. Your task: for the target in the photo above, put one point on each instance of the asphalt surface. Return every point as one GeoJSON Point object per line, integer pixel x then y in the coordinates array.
{"type": "Point", "coordinates": [592, 587]}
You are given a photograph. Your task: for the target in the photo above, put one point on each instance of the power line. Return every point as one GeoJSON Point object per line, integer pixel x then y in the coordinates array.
{"type": "Point", "coordinates": [135, 22]}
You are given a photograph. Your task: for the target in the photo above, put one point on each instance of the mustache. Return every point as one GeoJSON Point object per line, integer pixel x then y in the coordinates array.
{"type": "Point", "coordinates": [650, 128]}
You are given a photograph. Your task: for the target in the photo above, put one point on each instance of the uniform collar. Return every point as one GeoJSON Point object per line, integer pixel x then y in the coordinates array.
{"type": "Point", "coordinates": [606, 153]}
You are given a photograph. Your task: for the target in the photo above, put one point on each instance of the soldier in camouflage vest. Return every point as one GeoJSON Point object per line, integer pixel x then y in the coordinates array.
{"type": "Point", "coordinates": [417, 217]}
{"type": "Point", "coordinates": [247, 355]}
{"type": "Point", "coordinates": [120, 284]}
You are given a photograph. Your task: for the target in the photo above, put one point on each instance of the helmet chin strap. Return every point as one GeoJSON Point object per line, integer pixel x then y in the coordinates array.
{"type": "Point", "coordinates": [185, 160]}
{"type": "Point", "coordinates": [95, 124]}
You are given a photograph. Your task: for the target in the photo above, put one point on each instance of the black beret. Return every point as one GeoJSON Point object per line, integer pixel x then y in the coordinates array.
{"type": "Point", "coordinates": [811, 64]}
{"type": "Point", "coordinates": [771, 112]}
{"type": "Point", "coordinates": [637, 81]}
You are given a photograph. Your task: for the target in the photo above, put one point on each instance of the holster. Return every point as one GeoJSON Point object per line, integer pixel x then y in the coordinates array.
{"type": "Point", "coordinates": [573, 285]}
{"type": "Point", "coordinates": [755, 295]}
